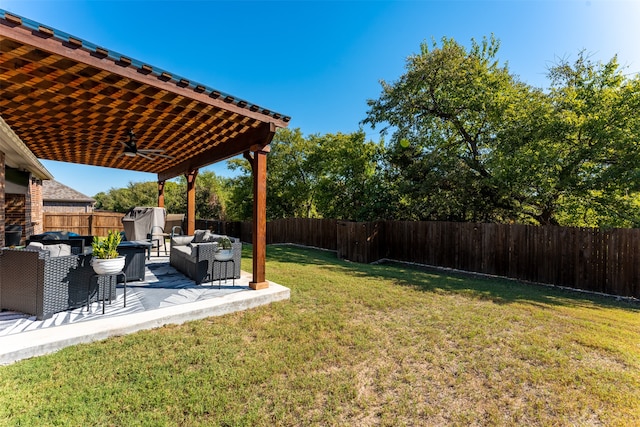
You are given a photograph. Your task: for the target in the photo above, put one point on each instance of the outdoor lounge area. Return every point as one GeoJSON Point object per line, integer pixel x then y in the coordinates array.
{"type": "Point", "coordinates": [120, 113]}
{"type": "Point", "coordinates": [68, 100]}
{"type": "Point", "coordinates": [164, 296]}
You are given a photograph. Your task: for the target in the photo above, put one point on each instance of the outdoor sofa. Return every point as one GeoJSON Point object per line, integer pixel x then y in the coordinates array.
{"type": "Point", "coordinates": [194, 257]}
{"type": "Point", "coordinates": [36, 282]}
{"type": "Point", "coordinates": [79, 244]}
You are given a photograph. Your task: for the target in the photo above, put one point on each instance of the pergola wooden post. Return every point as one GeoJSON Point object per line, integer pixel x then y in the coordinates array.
{"type": "Point", "coordinates": [161, 194]}
{"type": "Point", "coordinates": [258, 161]}
{"type": "Point", "coordinates": [191, 200]}
{"type": "Point", "coordinates": [257, 157]}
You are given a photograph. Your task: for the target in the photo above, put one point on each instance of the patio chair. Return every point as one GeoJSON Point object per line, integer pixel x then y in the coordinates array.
{"type": "Point", "coordinates": [159, 236]}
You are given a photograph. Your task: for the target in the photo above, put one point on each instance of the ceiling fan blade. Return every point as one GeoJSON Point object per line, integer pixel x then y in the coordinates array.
{"type": "Point", "coordinates": [157, 153]}
{"type": "Point", "coordinates": [143, 155]}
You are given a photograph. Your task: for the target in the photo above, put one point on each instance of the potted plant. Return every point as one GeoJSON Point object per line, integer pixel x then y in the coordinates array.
{"type": "Point", "coordinates": [106, 259]}
{"type": "Point", "coordinates": [224, 252]}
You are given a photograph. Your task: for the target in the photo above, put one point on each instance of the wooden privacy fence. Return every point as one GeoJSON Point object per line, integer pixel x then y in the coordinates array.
{"type": "Point", "coordinates": [319, 233]}
{"type": "Point", "coordinates": [591, 259]}
{"type": "Point", "coordinates": [85, 224]}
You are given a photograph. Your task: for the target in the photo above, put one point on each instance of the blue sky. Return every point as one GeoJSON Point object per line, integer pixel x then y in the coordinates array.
{"type": "Point", "coordinates": [319, 61]}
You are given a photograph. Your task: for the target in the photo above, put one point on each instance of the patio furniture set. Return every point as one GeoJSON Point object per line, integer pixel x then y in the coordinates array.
{"type": "Point", "coordinates": [53, 275]}
{"type": "Point", "coordinates": [197, 256]}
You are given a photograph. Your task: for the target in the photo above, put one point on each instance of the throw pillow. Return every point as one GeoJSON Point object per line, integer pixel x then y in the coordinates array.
{"type": "Point", "coordinates": [181, 240]}
{"type": "Point", "coordinates": [199, 235]}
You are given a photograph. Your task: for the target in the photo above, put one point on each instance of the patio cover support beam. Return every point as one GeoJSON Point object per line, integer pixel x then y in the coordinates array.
{"type": "Point", "coordinates": [241, 144]}
{"type": "Point", "coordinates": [161, 194]}
{"type": "Point", "coordinates": [191, 201]}
{"type": "Point", "coordinates": [258, 161]}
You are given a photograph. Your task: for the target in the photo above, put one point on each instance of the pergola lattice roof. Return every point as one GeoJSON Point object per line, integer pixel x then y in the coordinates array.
{"type": "Point", "coordinates": [72, 101]}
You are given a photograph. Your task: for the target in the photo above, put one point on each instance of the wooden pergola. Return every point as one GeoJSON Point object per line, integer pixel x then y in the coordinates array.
{"type": "Point", "coordinates": [72, 101]}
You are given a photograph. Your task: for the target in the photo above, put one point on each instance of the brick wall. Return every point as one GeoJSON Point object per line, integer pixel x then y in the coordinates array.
{"type": "Point", "coordinates": [15, 211]}
{"type": "Point", "coordinates": [35, 190]}
{"type": "Point", "coordinates": [71, 207]}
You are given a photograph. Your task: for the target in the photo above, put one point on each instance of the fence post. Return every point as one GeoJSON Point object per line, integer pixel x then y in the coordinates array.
{"type": "Point", "coordinates": [91, 230]}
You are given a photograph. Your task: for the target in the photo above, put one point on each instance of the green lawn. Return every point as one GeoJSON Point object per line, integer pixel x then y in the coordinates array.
{"type": "Point", "coordinates": [356, 345]}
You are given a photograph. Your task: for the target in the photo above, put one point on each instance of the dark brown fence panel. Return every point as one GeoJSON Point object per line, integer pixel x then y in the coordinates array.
{"type": "Point", "coordinates": [346, 241]}
{"type": "Point", "coordinates": [360, 241]}
{"type": "Point", "coordinates": [228, 228]}
{"type": "Point", "coordinates": [585, 258]}
{"type": "Point", "coordinates": [319, 233]}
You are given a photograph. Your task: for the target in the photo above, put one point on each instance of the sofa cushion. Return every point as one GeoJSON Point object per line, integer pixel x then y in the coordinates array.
{"type": "Point", "coordinates": [185, 251]}
{"type": "Point", "coordinates": [181, 240]}
{"type": "Point", "coordinates": [35, 246]}
{"type": "Point", "coordinates": [60, 249]}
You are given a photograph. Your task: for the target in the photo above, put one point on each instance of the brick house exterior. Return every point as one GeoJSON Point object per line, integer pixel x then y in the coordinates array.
{"type": "Point", "coordinates": [21, 178]}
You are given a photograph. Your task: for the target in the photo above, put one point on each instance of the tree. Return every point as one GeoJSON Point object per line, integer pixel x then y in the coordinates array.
{"type": "Point", "coordinates": [318, 176]}
{"type": "Point", "coordinates": [472, 143]}
{"type": "Point", "coordinates": [211, 195]}
{"type": "Point", "coordinates": [349, 179]}
{"type": "Point", "coordinates": [592, 135]}
{"type": "Point", "coordinates": [447, 113]}
{"type": "Point", "coordinates": [290, 179]}
{"type": "Point", "coordinates": [123, 199]}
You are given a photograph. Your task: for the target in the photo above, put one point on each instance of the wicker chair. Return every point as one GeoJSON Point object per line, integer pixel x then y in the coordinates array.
{"type": "Point", "coordinates": [35, 283]}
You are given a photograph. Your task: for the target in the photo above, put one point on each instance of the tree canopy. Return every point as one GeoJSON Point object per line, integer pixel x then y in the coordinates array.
{"type": "Point", "coordinates": [211, 196]}
{"type": "Point", "coordinates": [319, 176]}
{"type": "Point", "coordinates": [468, 141]}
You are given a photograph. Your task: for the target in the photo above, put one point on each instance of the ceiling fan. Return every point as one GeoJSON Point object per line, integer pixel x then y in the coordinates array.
{"type": "Point", "coordinates": [131, 149]}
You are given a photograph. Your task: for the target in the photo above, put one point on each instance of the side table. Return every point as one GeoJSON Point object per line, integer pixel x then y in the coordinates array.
{"type": "Point", "coordinates": [111, 282]}
{"type": "Point", "coordinates": [226, 263]}
{"type": "Point", "coordinates": [134, 253]}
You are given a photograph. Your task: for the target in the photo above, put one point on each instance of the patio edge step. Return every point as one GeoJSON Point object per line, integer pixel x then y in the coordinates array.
{"type": "Point", "coordinates": [45, 341]}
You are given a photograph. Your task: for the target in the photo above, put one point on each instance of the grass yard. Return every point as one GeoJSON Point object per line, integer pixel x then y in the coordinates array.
{"type": "Point", "coordinates": [356, 345]}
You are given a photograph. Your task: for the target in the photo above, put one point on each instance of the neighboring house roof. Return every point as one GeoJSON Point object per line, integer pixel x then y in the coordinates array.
{"type": "Point", "coordinates": [54, 191]}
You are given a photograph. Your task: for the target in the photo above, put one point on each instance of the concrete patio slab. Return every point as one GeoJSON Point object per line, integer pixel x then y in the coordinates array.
{"type": "Point", "coordinates": [164, 297]}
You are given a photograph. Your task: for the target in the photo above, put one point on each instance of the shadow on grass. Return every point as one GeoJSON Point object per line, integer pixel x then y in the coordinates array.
{"type": "Point", "coordinates": [429, 279]}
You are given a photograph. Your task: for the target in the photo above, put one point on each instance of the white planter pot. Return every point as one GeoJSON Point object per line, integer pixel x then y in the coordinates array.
{"type": "Point", "coordinates": [108, 266]}
{"type": "Point", "coordinates": [223, 254]}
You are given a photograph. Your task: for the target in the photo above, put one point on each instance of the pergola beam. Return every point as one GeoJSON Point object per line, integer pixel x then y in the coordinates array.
{"type": "Point", "coordinates": [217, 153]}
